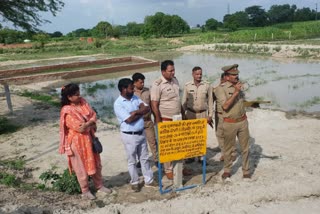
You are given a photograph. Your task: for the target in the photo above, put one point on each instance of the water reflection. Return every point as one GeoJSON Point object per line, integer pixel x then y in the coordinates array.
{"type": "Point", "coordinates": [289, 84]}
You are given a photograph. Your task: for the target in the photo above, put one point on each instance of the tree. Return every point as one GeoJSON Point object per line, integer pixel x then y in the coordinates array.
{"type": "Point", "coordinates": [236, 20]}
{"type": "Point", "coordinates": [134, 29]}
{"type": "Point", "coordinates": [257, 16]}
{"type": "Point", "coordinates": [25, 13]}
{"type": "Point", "coordinates": [102, 30]}
{"type": "Point", "coordinates": [161, 25]}
{"type": "Point", "coordinates": [211, 24]}
{"type": "Point", "coordinates": [281, 13]}
{"type": "Point", "coordinates": [304, 14]}
{"type": "Point", "coordinates": [56, 34]}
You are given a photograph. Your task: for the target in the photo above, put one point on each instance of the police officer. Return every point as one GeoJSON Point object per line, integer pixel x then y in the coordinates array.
{"type": "Point", "coordinates": [165, 103]}
{"type": "Point", "coordinates": [197, 99]}
{"type": "Point", "coordinates": [144, 94]}
{"type": "Point", "coordinates": [235, 123]}
{"type": "Point", "coordinates": [218, 121]}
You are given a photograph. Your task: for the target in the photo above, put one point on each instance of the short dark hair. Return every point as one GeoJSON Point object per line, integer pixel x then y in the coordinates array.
{"type": "Point", "coordinates": [124, 83]}
{"type": "Point", "coordinates": [67, 91]}
{"type": "Point", "coordinates": [137, 76]}
{"type": "Point", "coordinates": [165, 64]}
{"type": "Point", "coordinates": [196, 68]}
{"type": "Point", "coordinates": [222, 75]}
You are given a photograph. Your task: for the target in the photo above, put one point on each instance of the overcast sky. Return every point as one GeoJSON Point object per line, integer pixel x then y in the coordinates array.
{"type": "Point", "coordinates": [87, 13]}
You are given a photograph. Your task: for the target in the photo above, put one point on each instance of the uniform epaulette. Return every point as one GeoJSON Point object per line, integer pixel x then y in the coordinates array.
{"type": "Point", "coordinates": [188, 83]}
{"type": "Point", "coordinates": [158, 81]}
{"type": "Point", "coordinates": [206, 82]}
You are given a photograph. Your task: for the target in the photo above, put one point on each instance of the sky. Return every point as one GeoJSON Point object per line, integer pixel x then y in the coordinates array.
{"type": "Point", "coordinates": [87, 13]}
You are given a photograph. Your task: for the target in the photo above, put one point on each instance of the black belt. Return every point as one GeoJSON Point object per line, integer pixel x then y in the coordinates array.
{"type": "Point", "coordinates": [134, 133]}
{"type": "Point", "coordinates": [193, 111]}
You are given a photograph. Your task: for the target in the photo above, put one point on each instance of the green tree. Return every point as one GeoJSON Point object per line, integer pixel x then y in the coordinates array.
{"type": "Point", "coordinates": [162, 25]}
{"type": "Point", "coordinates": [56, 34]}
{"type": "Point", "coordinates": [102, 30]}
{"type": "Point", "coordinates": [211, 24]}
{"type": "Point", "coordinates": [236, 20]}
{"type": "Point", "coordinates": [81, 32]}
{"type": "Point", "coordinates": [42, 38]}
{"type": "Point", "coordinates": [257, 16]}
{"type": "Point", "coordinates": [134, 29]}
{"type": "Point", "coordinates": [281, 13]}
{"type": "Point", "coordinates": [25, 13]}
{"type": "Point", "coordinates": [9, 36]}
{"type": "Point", "coordinates": [304, 14]}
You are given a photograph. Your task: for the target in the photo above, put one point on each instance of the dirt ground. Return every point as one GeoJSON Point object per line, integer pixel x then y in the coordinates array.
{"type": "Point", "coordinates": [284, 161]}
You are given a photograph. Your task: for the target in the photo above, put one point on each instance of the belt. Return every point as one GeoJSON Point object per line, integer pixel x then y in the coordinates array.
{"type": "Point", "coordinates": [166, 119]}
{"type": "Point", "coordinates": [230, 120]}
{"type": "Point", "coordinates": [193, 111]}
{"type": "Point", "coordinates": [134, 133]}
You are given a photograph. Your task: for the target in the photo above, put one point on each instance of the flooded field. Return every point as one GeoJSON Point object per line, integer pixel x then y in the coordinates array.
{"type": "Point", "coordinates": [289, 84]}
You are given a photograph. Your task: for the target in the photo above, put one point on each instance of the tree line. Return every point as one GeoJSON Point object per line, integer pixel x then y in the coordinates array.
{"type": "Point", "coordinates": [157, 25]}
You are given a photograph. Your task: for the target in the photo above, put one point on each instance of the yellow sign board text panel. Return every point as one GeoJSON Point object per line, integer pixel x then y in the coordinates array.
{"type": "Point", "coordinates": [182, 139]}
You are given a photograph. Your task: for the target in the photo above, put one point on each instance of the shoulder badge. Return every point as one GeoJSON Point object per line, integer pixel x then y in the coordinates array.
{"type": "Point", "coordinates": [158, 81]}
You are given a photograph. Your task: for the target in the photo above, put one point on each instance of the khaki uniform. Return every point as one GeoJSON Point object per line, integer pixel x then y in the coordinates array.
{"type": "Point", "coordinates": [235, 125]}
{"type": "Point", "coordinates": [144, 95]}
{"type": "Point", "coordinates": [197, 101]}
{"type": "Point", "coordinates": [167, 94]}
{"type": "Point", "coordinates": [218, 119]}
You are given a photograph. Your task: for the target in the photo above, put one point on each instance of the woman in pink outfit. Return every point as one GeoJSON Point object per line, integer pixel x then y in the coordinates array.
{"type": "Point", "coordinates": [77, 127]}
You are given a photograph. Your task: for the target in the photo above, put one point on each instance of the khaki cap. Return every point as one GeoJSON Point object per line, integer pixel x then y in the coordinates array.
{"type": "Point", "coordinates": [231, 69]}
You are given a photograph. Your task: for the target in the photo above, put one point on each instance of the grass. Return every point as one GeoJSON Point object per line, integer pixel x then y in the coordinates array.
{"type": "Point", "coordinates": [41, 97]}
{"type": "Point", "coordinates": [91, 89]}
{"type": "Point", "coordinates": [8, 168]}
{"type": "Point", "coordinates": [6, 126]}
{"type": "Point", "coordinates": [299, 31]}
{"type": "Point", "coordinates": [309, 103]}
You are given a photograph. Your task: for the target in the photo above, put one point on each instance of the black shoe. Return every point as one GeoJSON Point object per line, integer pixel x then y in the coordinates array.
{"type": "Point", "coordinates": [189, 160]}
{"type": "Point", "coordinates": [138, 165]}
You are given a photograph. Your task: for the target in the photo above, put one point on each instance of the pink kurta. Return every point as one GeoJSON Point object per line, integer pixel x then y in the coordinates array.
{"type": "Point", "coordinates": [71, 117]}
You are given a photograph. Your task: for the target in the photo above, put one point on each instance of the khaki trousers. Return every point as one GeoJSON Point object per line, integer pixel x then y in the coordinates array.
{"type": "Point", "coordinates": [151, 138]}
{"type": "Point", "coordinates": [219, 134]}
{"type": "Point", "coordinates": [230, 132]}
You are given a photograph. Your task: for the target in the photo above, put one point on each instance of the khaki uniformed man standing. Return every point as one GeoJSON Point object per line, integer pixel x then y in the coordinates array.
{"type": "Point", "coordinates": [144, 94]}
{"type": "Point", "coordinates": [218, 119]}
{"type": "Point", "coordinates": [235, 123]}
{"type": "Point", "coordinates": [165, 102]}
{"type": "Point", "coordinates": [197, 99]}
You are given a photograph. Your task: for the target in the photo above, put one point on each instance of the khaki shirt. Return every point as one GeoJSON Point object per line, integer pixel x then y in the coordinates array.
{"type": "Point", "coordinates": [144, 95]}
{"type": "Point", "coordinates": [199, 98]}
{"type": "Point", "coordinates": [218, 107]}
{"type": "Point", "coordinates": [167, 94]}
{"type": "Point", "coordinates": [223, 93]}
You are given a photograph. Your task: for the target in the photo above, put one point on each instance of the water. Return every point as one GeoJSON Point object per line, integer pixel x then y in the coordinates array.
{"type": "Point", "coordinates": [289, 84]}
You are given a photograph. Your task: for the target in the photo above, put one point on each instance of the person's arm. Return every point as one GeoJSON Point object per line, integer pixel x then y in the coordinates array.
{"type": "Point", "coordinates": [184, 99]}
{"type": "Point", "coordinates": [74, 124]}
{"type": "Point", "coordinates": [226, 106]}
{"type": "Point", "coordinates": [210, 106]}
{"type": "Point", "coordinates": [155, 110]}
{"type": "Point", "coordinates": [135, 115]}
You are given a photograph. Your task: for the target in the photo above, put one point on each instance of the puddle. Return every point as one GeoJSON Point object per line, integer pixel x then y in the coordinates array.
{"type": "Point", "coordinates": [291, 84]}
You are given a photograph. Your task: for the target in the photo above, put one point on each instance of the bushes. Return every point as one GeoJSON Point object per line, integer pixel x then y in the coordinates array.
{"type": "Point", "coordinates": [6, 126]}
{"type": "Point", "coordinates": [61, 182]}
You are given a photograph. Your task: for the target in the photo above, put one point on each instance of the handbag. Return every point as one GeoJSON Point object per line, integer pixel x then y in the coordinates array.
{"type": "Point", "coordinates": [96, 145]}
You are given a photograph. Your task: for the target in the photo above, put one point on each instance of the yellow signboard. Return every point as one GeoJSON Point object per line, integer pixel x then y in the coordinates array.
{"type": "Point", "coordinates": [182, 139]}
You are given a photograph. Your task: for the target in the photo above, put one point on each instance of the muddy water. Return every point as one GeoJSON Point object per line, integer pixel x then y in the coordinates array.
{"type": "Point", "coordinates": [288, 84]}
